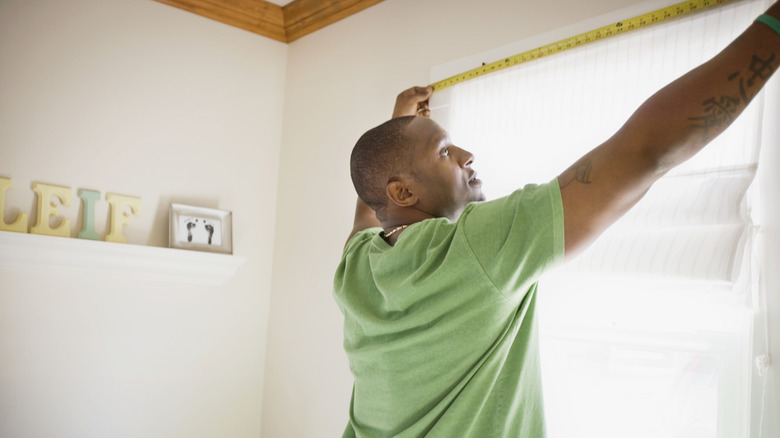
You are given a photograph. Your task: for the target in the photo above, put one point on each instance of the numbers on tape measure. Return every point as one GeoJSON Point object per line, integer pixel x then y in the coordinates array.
{"type": "Point", "coordinates": [579, 40]}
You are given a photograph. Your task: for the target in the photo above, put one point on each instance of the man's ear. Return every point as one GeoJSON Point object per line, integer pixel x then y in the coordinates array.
{"type": "Point", "coordinates": [400, 193]}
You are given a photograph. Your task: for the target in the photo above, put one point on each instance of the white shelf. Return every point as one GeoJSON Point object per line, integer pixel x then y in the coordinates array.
{"type": "Point", "coordinates": [20, 251]}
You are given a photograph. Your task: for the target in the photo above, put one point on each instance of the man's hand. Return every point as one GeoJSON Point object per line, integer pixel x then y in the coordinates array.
{"type": "Point", "coordinates": [413, 102]}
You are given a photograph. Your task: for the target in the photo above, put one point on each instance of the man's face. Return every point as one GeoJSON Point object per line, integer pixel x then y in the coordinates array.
{"type": "Point", "coordinates": [443, 178]}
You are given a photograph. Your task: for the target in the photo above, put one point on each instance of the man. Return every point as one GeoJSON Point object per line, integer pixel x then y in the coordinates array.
{"type": "Point", "coordinates": [438, 289]}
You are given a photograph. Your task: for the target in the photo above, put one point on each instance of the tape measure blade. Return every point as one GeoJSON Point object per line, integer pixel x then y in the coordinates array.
{"type": "Point", "coordinates": [618, 28]}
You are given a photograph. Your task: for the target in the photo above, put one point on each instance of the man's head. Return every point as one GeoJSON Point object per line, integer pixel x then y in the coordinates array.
{"type": "Point", "coordinates": [409, 165]}
{"type": "Point", "coordinates": [380, 155]}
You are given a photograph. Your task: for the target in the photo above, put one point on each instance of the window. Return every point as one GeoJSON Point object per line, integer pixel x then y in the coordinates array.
{"type": "Point", "coordinates": [650, 332]}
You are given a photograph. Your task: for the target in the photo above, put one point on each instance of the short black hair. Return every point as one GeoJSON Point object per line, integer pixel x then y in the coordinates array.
{"type": "Point", "coordinates": [380, 155]}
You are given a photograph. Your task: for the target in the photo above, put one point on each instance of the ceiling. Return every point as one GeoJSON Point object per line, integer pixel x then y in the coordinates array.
{"type": "Point", "coordinates": [281, 20]}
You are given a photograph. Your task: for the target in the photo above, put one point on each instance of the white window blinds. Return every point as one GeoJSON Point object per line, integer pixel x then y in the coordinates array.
{"type": "Point", "coordinates": [649, 332]}
{"type": "Point", "coordinates": [528, 123]}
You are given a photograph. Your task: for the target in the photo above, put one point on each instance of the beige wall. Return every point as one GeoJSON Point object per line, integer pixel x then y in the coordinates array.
{"type": "Point", "coordinates": [137, 98]}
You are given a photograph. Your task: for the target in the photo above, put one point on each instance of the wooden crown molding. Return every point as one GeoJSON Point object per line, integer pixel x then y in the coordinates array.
{"type": "Point", "coordinates": [285, 24]}
{"type": "Point", "coordinates": [302, 17]}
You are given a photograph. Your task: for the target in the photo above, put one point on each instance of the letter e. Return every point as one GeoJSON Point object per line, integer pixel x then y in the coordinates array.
{"type": "Point", "coordinates": [47, 208]}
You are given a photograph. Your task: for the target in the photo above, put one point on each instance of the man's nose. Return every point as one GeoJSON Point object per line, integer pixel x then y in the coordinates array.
{"type": "Point", "coordinates": [466, 157]}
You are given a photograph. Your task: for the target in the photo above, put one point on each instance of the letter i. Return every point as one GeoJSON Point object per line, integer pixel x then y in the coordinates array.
{"type": "Point", "coordinates": [88, 198]}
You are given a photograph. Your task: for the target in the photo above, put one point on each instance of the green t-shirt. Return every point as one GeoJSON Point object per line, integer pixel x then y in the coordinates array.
{"type": "Point", "coordinates": [440, 329]}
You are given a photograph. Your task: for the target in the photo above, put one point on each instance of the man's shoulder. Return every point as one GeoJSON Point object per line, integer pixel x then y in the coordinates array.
{"type": "Point", "coordinates": [530, 195]}
{"type": "Point", "coordinates": [361, 238]}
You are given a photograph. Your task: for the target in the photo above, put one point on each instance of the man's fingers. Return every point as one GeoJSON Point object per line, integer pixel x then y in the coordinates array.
{"type": "Point", "coordinates": [413, 101]}
{"type": "Point", "coordinates": [420, 93]}
{"type": "Point", "coordinates": [423, 109]}
{"type": "Point", "coordinates": [424, 92]}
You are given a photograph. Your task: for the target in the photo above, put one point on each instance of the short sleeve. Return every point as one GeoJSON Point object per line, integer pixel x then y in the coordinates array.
{"type": "Point", "coordinates": [360, 238]}
{"type": "Point", "coordinates": [516, 238]}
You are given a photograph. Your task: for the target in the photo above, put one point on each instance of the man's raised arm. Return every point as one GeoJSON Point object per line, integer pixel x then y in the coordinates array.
{"type": "Point", "coordinates": [667, 129]}
{"type": "Point", "coordinates": [410, 102]}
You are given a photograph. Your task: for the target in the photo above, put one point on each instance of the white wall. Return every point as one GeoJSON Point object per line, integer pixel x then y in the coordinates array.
{"type": "Point", "coordinates": [137, 98]}
{"type": "Point", "coordinates": [341, 81]}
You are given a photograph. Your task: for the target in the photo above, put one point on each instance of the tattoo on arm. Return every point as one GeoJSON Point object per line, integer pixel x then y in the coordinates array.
{"type": "Point", "coordinates": [720, 111]}
{"type": "Point", "coordinates": [581, 172]}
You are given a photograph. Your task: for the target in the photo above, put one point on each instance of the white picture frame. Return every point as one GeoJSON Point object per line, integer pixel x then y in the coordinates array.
{"type": "Point", "coordinates": [200, 229]}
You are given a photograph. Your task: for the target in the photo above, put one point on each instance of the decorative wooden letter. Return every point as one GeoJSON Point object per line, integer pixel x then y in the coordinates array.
{"type": "Point", "coordinates": [119, 217]}
{"type": "Point", "coordinates": [47, 208]}
{"type": "Point", "coordinates": [88, 198]}
{"type": "Point", "coordinates": [20, 224]}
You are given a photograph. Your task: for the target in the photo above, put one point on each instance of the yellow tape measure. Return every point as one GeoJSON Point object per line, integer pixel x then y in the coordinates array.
{"type": "Point", "coordinates": [581, 39]}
